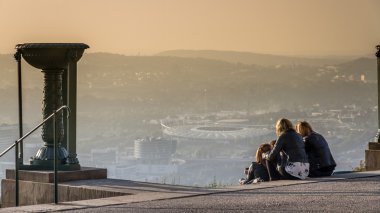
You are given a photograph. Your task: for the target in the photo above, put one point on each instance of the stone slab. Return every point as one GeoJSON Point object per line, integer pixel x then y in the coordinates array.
{"type": "Point", "coordinates": [374, 146]}
{"type": "Point", "coordinates": [85, 173]}
{"type": "Point", "coordinates": [372, 160]}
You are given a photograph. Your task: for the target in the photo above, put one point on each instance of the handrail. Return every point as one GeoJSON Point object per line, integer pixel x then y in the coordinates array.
{"type": "Point", "coordinates": [33, 130]}
{"type": "Point", "coordinates": [55, 153]}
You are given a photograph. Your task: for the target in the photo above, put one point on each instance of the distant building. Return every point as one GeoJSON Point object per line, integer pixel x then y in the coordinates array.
{"type": "Point", "coordinates": [151, 161]}
{"type": "Point", "coordinates": [154, 150]}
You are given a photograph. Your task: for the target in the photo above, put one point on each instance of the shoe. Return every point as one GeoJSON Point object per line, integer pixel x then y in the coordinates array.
{"type": "Point", "coordinates": [241, 181]}
{"type": "Point", "coordinates": [258, 180]}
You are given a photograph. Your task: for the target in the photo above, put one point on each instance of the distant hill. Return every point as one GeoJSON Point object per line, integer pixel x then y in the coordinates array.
{"type": "Point", "coordinates": [365, 66]}
{"type": "Point", "coordinates": [166, 85]}
{"type": "Point", "coordinates": [254, 58]}
{"type": "Point", "coordinates": [185, 83]}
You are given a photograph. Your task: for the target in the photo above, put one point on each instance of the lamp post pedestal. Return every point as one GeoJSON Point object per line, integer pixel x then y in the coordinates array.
{"type": "Point", "coordinates": [58, 64]}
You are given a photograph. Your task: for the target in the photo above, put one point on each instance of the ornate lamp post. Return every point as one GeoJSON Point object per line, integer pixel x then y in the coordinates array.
{"type": "Point", "coordinates": [58, 64]}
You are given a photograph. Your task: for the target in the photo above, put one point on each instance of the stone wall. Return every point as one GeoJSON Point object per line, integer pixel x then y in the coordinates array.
{"type": "Point", "coordinates": [37, 187]}
{"type": "Point", "coordinates": [32, 193]}
{"type": "Point", "coordinates": [372, 156]}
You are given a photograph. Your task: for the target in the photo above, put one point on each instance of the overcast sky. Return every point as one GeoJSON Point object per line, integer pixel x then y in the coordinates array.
{"type": "Point", "coordinates": [291, 27]}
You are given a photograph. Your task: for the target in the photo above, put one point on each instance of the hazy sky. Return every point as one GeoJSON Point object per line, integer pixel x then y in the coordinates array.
{"type": "Point", "coordinates": [295, 27]}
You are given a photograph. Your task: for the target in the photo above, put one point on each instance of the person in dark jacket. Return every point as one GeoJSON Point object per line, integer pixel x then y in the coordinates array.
{"type": "Point", "coordinates": [289, 147]}
{"type": "Point", "coordinates": [321, 160]}
{"type": "Point", "coordinates": [257, 171]}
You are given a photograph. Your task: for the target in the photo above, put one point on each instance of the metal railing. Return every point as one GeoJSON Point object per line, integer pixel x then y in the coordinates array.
{"type": "Point", "coordinates": [17, 142]}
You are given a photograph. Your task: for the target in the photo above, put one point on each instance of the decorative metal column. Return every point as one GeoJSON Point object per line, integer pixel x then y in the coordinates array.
{"type": "Point", "coordinates": [56, 60]}
{"type": "Point", "coordinates": [73, 57]}
{"type": "Point", "coordinates": [52, 100]}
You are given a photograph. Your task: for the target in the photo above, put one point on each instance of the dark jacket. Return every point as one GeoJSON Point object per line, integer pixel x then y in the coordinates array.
{"type": "Point", "coordinates": [318, 152]}
{"type": "Point", "coordinates": [292, 145]}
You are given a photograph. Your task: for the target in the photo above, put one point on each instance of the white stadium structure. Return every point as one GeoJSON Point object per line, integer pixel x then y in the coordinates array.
{"type": "Point", "coordinates": [225, 131]}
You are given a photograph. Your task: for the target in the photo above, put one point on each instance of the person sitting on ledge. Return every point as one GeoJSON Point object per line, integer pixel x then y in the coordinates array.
{"type": "Point", "coordinates": [257, 171]}
{"type": "Point", "coordinates": [294, 163]}
{"type": "Point", "coordinates": [321, 160]}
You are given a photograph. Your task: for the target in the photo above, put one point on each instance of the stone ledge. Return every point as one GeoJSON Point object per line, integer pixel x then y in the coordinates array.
{"type": "Point", "coordinates": [143, 194]}
{"type": "Point", "coordinates": [374, 146]}
{"type": "Point", "coordinates": [32, 193]}
{"type": "Point", "coordinates": [85, 173]}
{"type": "Point", "coordinates": [372, 160]}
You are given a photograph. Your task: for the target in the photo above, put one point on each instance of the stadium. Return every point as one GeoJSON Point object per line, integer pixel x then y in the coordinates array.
{"type": "Point", "coordinates": [224, 131]}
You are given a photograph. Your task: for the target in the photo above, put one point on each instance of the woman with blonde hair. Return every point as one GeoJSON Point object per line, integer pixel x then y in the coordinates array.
{"type": "Point", "coordinates": [321, 160]}
{"type": "Point", "coordinates": [294, 161]}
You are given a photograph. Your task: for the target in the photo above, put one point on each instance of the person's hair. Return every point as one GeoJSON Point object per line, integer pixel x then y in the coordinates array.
{"type": "Point", "coordinates": [272, 143]}
{"type": "Point", "coordinates": [304, 128]}
{"type": "Point", "coordinates": [263, 148]}
{"type": "Point", "coordinates": [283, 125]}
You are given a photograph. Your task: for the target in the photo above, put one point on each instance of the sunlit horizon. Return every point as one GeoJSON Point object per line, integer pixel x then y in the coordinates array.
{"type": "Point", "coordinates": [293, 28]}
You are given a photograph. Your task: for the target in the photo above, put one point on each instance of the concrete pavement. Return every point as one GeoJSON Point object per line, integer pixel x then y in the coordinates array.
{"type": "Point", "coordinates": [351, 192]}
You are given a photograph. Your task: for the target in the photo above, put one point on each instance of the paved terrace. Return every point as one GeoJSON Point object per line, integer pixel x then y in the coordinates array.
{"type": "Point", "coordinates": [350, 192]}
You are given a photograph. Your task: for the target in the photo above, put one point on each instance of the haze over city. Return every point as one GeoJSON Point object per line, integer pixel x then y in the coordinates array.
{"type": "Point", "coordinates": [202, 81]}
